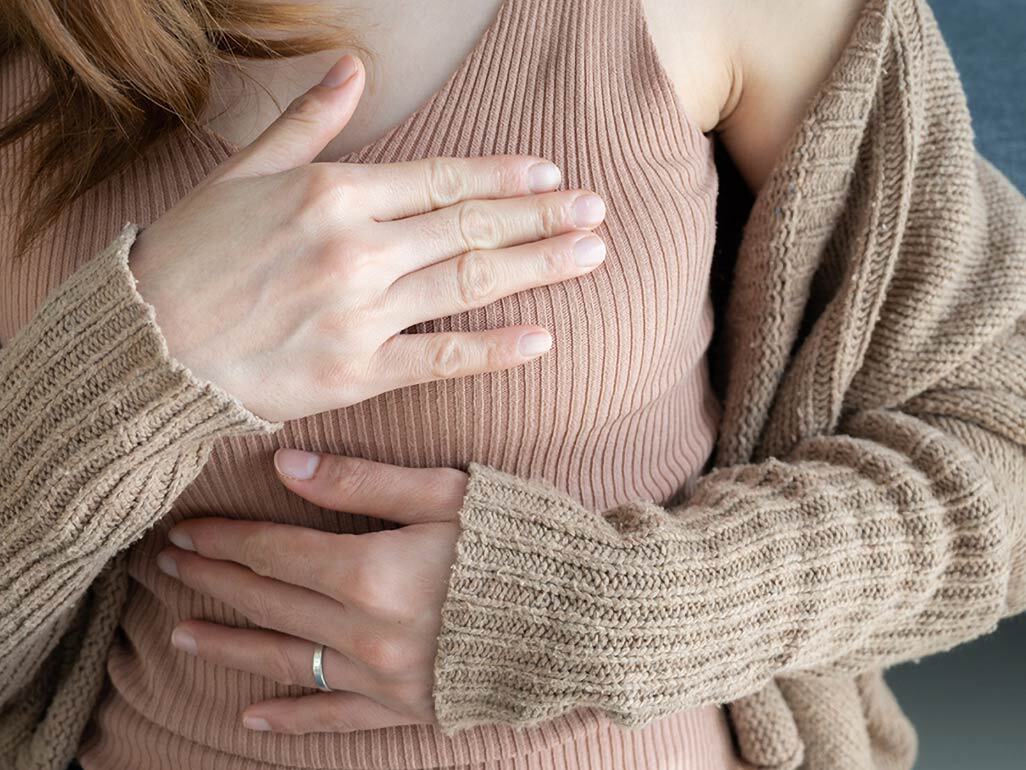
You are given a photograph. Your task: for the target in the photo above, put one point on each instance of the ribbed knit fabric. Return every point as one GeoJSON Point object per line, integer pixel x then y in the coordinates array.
{"type": "Point", "coordinates": [621, 410]}
{"type": "Point", "coordinates": [868, 506]}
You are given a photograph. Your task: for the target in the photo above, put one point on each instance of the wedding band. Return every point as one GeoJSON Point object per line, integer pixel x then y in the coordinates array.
{"type": "Point", "coordinates": [318, 669]}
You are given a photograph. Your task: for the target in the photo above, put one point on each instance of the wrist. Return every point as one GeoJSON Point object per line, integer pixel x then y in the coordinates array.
{"type": "Point", "coordinates": [521, 638]}
{"type": "Point", "coordinates": [148, 262]}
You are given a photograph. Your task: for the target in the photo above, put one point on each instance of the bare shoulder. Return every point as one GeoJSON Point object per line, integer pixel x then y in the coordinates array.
{"type": "Point", "coordinates": [748, 68]}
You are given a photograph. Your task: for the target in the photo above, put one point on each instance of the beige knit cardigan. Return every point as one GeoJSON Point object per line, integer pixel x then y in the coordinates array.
{"type": "Point", "coordinates": [868, 505]}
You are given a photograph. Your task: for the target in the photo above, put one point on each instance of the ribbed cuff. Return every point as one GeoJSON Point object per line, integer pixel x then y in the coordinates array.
{"type": "Point", "coordinates": [88, 387]}
{"type": "Point", "coordinates": [534, 623]}
{"type": "Point", "coordinates": [95, 330]}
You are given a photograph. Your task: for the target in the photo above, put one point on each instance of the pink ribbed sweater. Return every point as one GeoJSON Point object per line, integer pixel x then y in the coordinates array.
{"type": "Point", "coordinates": [620, 411]}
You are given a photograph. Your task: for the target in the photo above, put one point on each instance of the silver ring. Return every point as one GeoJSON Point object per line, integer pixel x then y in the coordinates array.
{"type": "Point", "coordinates": [318, 669]}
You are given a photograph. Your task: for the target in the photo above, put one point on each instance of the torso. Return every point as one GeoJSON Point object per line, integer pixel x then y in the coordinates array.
{"type": "Point", "coordinates": [621, 409]}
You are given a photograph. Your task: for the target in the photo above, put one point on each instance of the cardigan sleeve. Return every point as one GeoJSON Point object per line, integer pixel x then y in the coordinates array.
{"type": "Point", "coordinates": [100, 431]}
{"type": "Point", "coordinates": [897, 532]}
{"type": "Point", "coordinates": [899, 536]}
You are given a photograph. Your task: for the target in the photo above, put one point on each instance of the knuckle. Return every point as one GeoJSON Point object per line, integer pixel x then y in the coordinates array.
{"type": "Point", "coordinates": [475, 278]}
{"type": "Point", "coordinates": [308, 107]}
{"type": "Point", "coordinates": [380, 601]}
{"type": "Point", "coordinates": [323, 190]}
{"type": "Point", "coordinates": [478, 228]}
{"type": "Point", "coordinates": [340, 259]}
{"type": "Point", "coordinates": [336, 717]}
{"type": "Point", "coordinates": [343, 377]}
{"type": "Point", "coordinates": [508, 174]}
{"type": "Point", "coordinates": [370, 590]}
{"type": "Point", "coordinates": [381, 655]}
{"type": "Point", "coordinates": [446, 183]}
{"type": "Point", "coordinates": [554, 262]}
{"type": "Point", "coordinates": [497, 356]}
{"type": "Point", "coordinates": [348, 477]}
{"type": "Point", "coordinates": [354, 265]}
{"type": "Point", "coordinates": [445, 357]}
{"type": "Point", "coordinates": [282, 668]}
{"type": "Point", "coordinates": [363, 585]}
{"type": "Point", "coordinates": [258, 550]}
{"type": "Point", "coordinates": [258, 607]}
{"type": "Point", "coordinates": [550, 217]}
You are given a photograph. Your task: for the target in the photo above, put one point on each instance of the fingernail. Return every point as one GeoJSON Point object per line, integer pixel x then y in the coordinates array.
{"type": "Point", "coordinates": [183, 640]}
{"type": "Point", "coordinates": [535, 343]}
{"type": "Point", "coordinates": [296, 464]}
{"type": "Point", "coordinates": [588, 211]}
{"type": "Point", "coordinates": [167, 565]}
{"type": "Point", "coordinates": [181, 539]}
{"type": "Point", "coordinates": [542, 177]}
{"type": "Point", "coordinates": [340, 74]}
{"type": "Point", "coordinates": [589, 251]}
{"type": "Point", "coordinates": [256, 723]}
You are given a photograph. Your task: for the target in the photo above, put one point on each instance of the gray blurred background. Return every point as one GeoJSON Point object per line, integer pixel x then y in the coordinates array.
{"type": "Point", "coordinates": [969, 704]}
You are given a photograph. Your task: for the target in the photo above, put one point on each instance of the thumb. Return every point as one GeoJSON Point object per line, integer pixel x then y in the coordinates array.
{"type": "Point", "coordinates": [306, 126]}
{"type": "Point", "coordinates": [355, 485]}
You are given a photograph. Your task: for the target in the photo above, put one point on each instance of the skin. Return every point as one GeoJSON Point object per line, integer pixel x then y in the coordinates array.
{"type": "Point", "coordinates": [744, 69]}
{"type": "Point", "coordinates": [349, 255]}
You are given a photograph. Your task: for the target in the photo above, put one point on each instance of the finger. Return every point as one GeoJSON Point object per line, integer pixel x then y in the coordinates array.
{"type": "Point", "coordinates": [266, 602]}
{"type": "Point", "coordinates": [396, 190]}
{"type": "Point", "coordinates": [479, 278]}
{"type": "Point", "coordinates": [273, 550]}
{"type": "Point", "coordinates": [403, 495]}
{"type": "Point", "coordinates": [479, 225]}
{"type": "Point", "coordinates": [306, 126]}
{"type": "Point", "coordinates": [279, 657]}
{"type": "Point", "coordinates": [410, 359]}
{"type": "Point", "coordinates": [326, 712]}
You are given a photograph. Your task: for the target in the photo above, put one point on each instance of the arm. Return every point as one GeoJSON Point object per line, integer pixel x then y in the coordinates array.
{"type": "Point", "coordinates": [893, 532]}
{"type": "Point", "coordinates": [100, 430]}
{"type": "Point", "coordinates": [899, 536]}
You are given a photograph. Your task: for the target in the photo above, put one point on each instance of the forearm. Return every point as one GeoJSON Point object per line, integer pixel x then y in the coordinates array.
{"type": "Point", "coordinates": [100, 430]}
{"type": "Point", "coordinates": [888, 541]}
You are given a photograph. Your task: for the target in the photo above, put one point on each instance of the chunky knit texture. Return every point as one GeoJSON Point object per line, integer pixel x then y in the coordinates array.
{"type": "Point", "coordinates": [868, 504]}
{"type": "Point", "coordinates": [870, 501]}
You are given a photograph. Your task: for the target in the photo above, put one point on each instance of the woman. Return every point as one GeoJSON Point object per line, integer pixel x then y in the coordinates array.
{"type": "Point", "coordinates": [883, 523]}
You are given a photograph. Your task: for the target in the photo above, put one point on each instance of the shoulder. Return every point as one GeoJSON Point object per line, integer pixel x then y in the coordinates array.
{"type": "Point", "coordinates": [747, 68]}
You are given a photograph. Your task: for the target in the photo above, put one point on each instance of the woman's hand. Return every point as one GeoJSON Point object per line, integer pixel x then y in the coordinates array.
{"type": "Point", "coordinates": [287, 282]}
{"type": "Point", "coordinates": [374, 600]}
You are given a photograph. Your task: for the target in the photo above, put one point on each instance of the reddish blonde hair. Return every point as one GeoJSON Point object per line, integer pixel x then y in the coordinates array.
{"type": "Point", "coordinates": [123, 73]}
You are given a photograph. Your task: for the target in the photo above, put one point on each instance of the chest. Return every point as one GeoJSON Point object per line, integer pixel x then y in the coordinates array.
{"type": "Point", "coordinates": [616, 407]}
{"type": "Point", "coordinates": [410, 49]}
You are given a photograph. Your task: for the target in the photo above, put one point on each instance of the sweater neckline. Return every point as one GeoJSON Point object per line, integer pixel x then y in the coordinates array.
{"type": "Point", "coordinates": [464, 69]}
